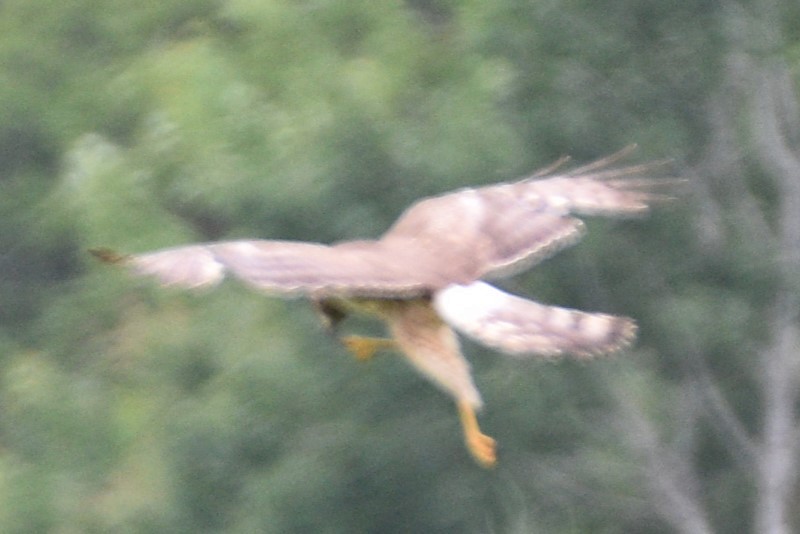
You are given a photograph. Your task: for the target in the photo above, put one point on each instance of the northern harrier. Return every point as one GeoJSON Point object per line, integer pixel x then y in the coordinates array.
{"type": "Point", "coordinates": [423, 277]}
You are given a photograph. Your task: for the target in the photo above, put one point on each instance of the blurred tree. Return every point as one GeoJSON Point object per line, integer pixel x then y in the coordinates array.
{"type": "Point", "coordinates": [124, 408]}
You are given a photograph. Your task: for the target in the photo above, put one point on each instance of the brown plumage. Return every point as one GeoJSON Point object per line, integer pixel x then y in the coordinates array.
{"type": "Point", "coordinates": [423, 276]}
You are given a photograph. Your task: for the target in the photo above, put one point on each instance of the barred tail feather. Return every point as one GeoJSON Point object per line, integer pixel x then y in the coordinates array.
{"type": "Point", "coordinates": [522, 327]}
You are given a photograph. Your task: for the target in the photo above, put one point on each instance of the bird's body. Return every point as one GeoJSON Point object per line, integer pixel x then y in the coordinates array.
{"type": "Point", "coordinates": [423, 277]}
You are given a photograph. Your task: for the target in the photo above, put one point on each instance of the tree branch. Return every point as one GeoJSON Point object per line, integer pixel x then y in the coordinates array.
{"type": "Point", "coordinates": [669, 476]}
{"type": "Point", "coordinates": [778, 459]}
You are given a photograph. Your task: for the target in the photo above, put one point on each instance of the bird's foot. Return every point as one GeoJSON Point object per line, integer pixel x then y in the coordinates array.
{"type": "Point", "coordinates": [329, 314]}
{"type": "Point", "coordinates": [364, 348]}
{"type": "Point", "coordinates": [482, 447]}
{"type": "Point", "coordinates": [107, 255]}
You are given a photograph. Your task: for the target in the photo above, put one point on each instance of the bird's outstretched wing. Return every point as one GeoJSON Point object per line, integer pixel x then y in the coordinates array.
{"type": "Point", "coordinates": [288, 268]}
{"type": "Point", "coordinates": [455, 238]}
{"type": "Point", "coordinates": [502, 229]}
{"type": "Point", "coordinates": [522, 327]}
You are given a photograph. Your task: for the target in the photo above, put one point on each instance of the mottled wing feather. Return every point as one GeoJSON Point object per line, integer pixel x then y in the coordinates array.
{"type": "Point", "coordinates": [505, 228]}
{"type": "Point", "coordinates": [531, 220]}
{"type": "Point", "coordinates": [287, 268]}
{"type": "Point", "coordinates": [192, 266]}
{"type": "Point", "coordinates": [588, 195]}
{"type": "Point", "coordinates": [519, 233]}
{"type": "Point", "coordinates": [456, 238]}
{"type": "Point", "coordinates": [522, 327]}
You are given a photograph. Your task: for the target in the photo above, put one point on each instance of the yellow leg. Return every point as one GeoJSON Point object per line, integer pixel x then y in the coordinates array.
{"type": "Point", "coordinates": [481, 446]}
{"type": "Point", "coordinates": [364, 348]}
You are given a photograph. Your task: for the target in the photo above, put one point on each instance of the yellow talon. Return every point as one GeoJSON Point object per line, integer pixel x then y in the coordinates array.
{"type": "Point", "coordinates": [364, 348]}
{"type": "Point", "coordinates": [482, 447]}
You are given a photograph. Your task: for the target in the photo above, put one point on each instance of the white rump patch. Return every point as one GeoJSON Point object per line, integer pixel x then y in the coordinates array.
{"type": "Point", "coordinates": [476, 309]}
{"type": "Point", "coordinates": [468, 303]}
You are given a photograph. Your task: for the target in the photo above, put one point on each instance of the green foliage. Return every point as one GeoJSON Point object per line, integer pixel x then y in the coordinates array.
{"type": "Point", "coordinates": [135, 125]}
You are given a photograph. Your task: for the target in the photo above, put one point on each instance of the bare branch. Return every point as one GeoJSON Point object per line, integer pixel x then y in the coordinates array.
{"type": "Point", "coordinates": [770, 86]}
{"type": "Point", "coordinates": [669, 476]}
{"type": "Point", "coordinates": [778, 458]}
{"type": "Point", "coordinates": [722, 417]}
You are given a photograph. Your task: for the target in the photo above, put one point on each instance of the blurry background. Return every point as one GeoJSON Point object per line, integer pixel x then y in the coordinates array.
{"type": "Point", "coordinates": [137, 125]}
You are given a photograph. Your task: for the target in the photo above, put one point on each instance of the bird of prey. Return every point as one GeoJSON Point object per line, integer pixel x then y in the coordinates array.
{"type": "Point", "coordinates": [425, 276]}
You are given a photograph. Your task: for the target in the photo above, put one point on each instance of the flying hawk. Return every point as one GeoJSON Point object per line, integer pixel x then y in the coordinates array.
{"type": "Point", "coordinates": [425, 276]}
